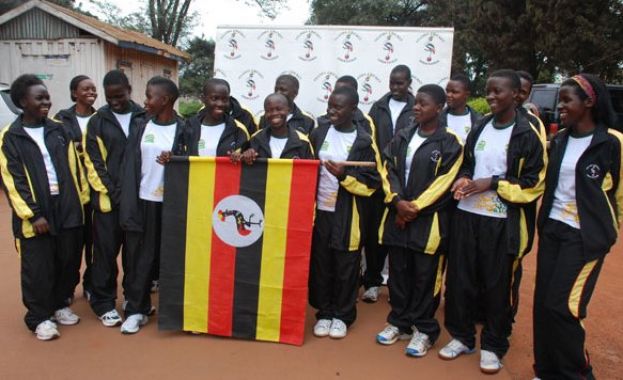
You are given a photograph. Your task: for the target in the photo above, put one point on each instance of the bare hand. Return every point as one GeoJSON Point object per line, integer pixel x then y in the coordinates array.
{"type": "Point", "coordinates": [400, 222]}
{"type": "Point", "coordinates": [406, 210]}
{"type": "Point", "coordinates": [164, 157]}
{"type": "Point", "coordinates": [41, 226]}
{"type": "Point", "coordinates": [235, 157]}
{"type": "Point", "coordinates": [477, 186]}
{"type": "Point", "coordinates": [249, 156]}
{"type": "Point", "coordinates": [335, 168]}
{"type": "Point", "coordinates": [458, 186]}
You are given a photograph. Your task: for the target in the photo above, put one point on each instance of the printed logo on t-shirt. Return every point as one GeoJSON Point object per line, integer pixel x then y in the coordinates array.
{"type": "Point", "coordinates": [492, 203]}
{"type": "Point", "coordinates": [467, 128]}
{"type": "Point", "coordinates": [325, 146]}
{"type": "Point", "coordinates": [348, 148]}
{"type": "Point", "coordinates": [481, 145]}
{"type": "Point", "coordinates": [149, 139]}
{"type": "Point", "coordinates": [593, 171]}
{"type": "Point", "coordinates": [201, 144]}
{"type": "Point", "coordinates": [435, 155]}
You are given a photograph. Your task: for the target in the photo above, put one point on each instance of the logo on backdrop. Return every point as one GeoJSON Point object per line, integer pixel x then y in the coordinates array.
{"type": "Point", "coordinates": [238, 221]}
{"type": "Point", "coordinates": [429, 46]}
{"type": "Point", "coordinates": [387, 42]}
{"type": "Point", "coordinates": [232, 41]}
{"type": "Point", "coordinates": [249, 78]}
{"type": "Point", "coordinates": [271, 40]}
{"type": "Point", "coordinates": [368, 85]}
{"type": "Point", "coordinates": [307, 42]}
{"type": "Point", "coordinates": [349, 40]}
{"type": "Point", "coordinates": [218, 73]}
{"type": "Point", "coordinates": [325, 82]}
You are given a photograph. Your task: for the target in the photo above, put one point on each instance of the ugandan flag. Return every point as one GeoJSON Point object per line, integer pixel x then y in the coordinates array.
{"type": "Point", "coordinates": [236, 241]}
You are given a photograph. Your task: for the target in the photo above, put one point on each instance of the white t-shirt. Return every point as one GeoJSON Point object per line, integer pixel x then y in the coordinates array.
{"type": "Point", "coordinates": [156, 138]}
{"type": "Point", "coordinates": [208, 141]}
{"type": "Point", "coordinates": [83, 121]}
{"type": "Point", "coordinates": [414, 145]}
{"type": "Point", "coordinates": [460, 124]}
{"type": "Point", "coordinates": [490, 155]}
{"type": "Point", "coordinates": [39, 137]}
{"type": "Point", "coordinates": [124, 121]}
{"type": "Point", "coordinates": [565, 208]}
{"type": "Point", "coordinates": [276, 145]}
{"type": "Point", "coordinates": [335, 147]}
{"type": "Point", "coordinates": [395, 108]}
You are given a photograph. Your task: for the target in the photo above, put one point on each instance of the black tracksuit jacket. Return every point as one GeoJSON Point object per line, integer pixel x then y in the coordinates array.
{"type": "Point", "coordinates": [474, 116]}
{"type": "Point", "coordinates": [382, 117]}
{"type": "Point", "coordinates": [233, 137]}
{"type": "Point", "coordinates": [26, 181]}
{"type": "Point", "coordinates": [297, 146]}
{"type": "Point", "coordinates": [360, 118]}
{"type": "Point", "coordinates": [72, 127]}
{"type": "Point", "coordinates": [598, 188]}
{"type": "Point", "coordinates": [433, 170]}
{"type": "Point", "coordinates": [358, 182]}
{"type": "Point", "coordinates": [242, 114]}
{"type": "Point", "coordinates": [300, 120]}
{"type": "Point", "coordinates": [524, 182]}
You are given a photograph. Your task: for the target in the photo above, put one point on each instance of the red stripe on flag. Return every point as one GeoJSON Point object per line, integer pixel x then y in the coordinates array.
{"type": "Point", "coordinates": [223, 262]}
{"type": "Point", "coordinates": [298, 246]}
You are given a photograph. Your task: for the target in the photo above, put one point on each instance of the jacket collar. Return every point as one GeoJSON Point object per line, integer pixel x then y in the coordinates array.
{"type": "Point", "coordinates": [17, 127]}
{"type": "Point", "coordinates": [384, 101]}
{"type": "Point", "coordinates": [294, 142]}
{"type": "Point", "coordinates": [408, 132]}
{"type": "Point", "coordinates": [107, 113]}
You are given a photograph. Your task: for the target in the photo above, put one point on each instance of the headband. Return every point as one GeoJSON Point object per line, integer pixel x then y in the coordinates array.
{"type": "Point", "coordinates": [586, 86]}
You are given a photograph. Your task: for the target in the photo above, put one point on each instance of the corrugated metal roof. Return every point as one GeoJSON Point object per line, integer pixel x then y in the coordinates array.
{"type": "Point", "coordinates": [120, 37]}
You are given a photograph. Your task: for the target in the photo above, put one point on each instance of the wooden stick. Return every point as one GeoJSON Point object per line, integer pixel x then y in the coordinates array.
{"type": "Point", "coordinates": [362, 164]}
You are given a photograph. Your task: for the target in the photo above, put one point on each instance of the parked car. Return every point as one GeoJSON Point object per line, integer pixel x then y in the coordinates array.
{"type": "Point", "coordinates": [545, 97]}
{"type": "Point", "coordinates": [8, 111]}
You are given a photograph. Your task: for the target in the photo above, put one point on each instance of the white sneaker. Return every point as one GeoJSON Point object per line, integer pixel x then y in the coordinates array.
{"type": "Point", "coordinates": [322, 327]}
{"type": "Point", "coordinates": [371, 295]}
{"type": "Point", "coordinates": [338, 329]}
{"type": "Point", "coordinates": [65, 316]}
{"type": "Point", "coordinates": [390, 335]}
{"type": "Point", "coordinates": [489, 362]}
{"type": "Point", "coordinates": [47, 330]}
{"type": "Point", "coordinates": [133, 323]}
{"type": "Point", "coordinates": [454, 349]}
{"type": "Point", "coordinates": [110, 318]}
{"type": "Point", "coordinates": [155, 286]}
{"type": "Point", "coordinates": [419, 345]}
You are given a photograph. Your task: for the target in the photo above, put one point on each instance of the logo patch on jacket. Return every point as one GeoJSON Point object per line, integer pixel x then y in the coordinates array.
{"type": "Point", "coordinates": [435, 155]}
{"type": "Point", "coordinates": [593, 171]}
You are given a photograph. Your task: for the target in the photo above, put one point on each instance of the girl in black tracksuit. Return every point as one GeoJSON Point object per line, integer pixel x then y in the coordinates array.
{"type": "Point", "coordinates": [421, 163]}
{"type": "Point", "coordinates": [578, 224]}
{"type": "Point", "coordinates": [43, 180]}
{"type": "Point", "coordinates": [75, 120]}
{"type": "Point", "coordinates": [502, 173]}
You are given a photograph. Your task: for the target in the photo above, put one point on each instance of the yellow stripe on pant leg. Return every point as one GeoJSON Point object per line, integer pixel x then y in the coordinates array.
{"type": "Point", "coordinates": [276, 209]}
{"type": "Point", "coordinates": [575, 297]}
{"type": "Point", "coordinates": [201, 183]}
{"type": "Point", "coordinates": [439, 276]}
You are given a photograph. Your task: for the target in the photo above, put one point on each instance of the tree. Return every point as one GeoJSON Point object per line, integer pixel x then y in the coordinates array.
{"type": "Point", "coordinates": [368, 12]}
{"type": "Point", "coordinates": [194, 74]}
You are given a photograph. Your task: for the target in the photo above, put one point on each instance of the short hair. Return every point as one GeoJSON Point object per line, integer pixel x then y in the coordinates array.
{"type": "Point", "coordinates": [349, 81]}
{"type": "Point", "coordinates": [349, 92]}
{"type": "Point", "coordinates": [215, 82]}
{"type": "Point", "coordinates": [462, 78]}
{"type": "Point", "coordinates": [116, 77]}
{"type": "Point", "coordinates": [435, 91]}
{"type": "Point", "coordinates": [276, 95]}
{"type": "Point", "coordinates": [20, 86]}
{"type": "Point", "coordinates": [603, 111]}
{"type": "Point", "coordinates": [74, 83]}
{"type": "Point", "coordinates": [525, 75]}
{"type": "Point", "coordinates": [289, 78]}
{"type": "Point", "coordinates": [167, 84]}
{"type": "Point", "coordinates": [511, 75]}
{"type": "Point", "coordinates": [402, 69]}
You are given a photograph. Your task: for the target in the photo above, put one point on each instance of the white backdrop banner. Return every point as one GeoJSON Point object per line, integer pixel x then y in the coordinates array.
{"type": "Point", "coordinates": [250, 58]}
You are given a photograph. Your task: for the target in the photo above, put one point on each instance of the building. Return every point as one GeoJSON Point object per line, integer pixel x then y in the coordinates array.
{"type": "Point", "coordinates": [56, 44]}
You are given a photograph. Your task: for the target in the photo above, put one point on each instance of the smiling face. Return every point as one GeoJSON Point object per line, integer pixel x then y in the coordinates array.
{"type": "Point", "coordinates": [85, 93]}
{"type": "Point", "coordinates": [456, 95]}
{"type": "Point", "coordinates": [500, 94]}
{"type": "Point", "coordinates": [571, 107]}
{"type": "Point", "coordinates": [340, 110]}
{"type": "Point", "coordinates": [36, 104]}
{"type": "Point", "coordinates": [425, 108]}
{"type": "Point", "coordinates": [276, 111]}
{"type": "Point", "coordinates": [118, 97]}
{"type": "Point", "coordinates": [399, 85]}
{"type": "Point", "coordinates": [216, 100]}
{"type": "Point", "coordinates": [156, 100]}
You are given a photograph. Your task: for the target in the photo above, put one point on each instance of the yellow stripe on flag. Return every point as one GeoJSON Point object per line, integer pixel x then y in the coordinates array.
{"type": "Point", "coordinates": [198, 244]}
{"type": "Point", "coordinates": [276, 212]}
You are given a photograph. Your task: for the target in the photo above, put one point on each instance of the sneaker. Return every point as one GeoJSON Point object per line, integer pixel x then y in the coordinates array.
{"type": "Point", "coordinates": [155, 285]}
{"type": "Point", "coordinates": [65, 316]}
{"type": "Point", "coordinates": [454, 349]}
{"type": "Point", "coordinates": [47, 330]}
{"type": "Point", "coordinates": [133, 323]}
{"type": "Point", "coordinates": [371, 295]}
{"type": "Point", "coordinates": [110, 318]}
{"type": "Point", "coordinates": [338, 329]}
{"type": "Point", "coordinates": [418, 346]}
{"type": "Point", "coordinates": [322, 327]}
{"type": "Point", "coordinates": [390, 335]}
{"type": "Point", "coordinates": [489, 362]}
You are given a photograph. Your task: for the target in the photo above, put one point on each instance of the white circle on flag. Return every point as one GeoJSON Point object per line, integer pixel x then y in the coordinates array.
{"type": "Point", "coordinates": [238, 221]}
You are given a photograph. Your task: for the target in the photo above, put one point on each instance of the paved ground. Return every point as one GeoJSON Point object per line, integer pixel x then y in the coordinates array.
{"type": "Point", "coordinates": [91, 351]}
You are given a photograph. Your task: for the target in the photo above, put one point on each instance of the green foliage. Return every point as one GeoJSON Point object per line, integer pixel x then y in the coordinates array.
{"type": "Point", "coordinates": [479, 105]}
{"type": "Point", "coordinates": [189, 107]}
{"type": "Point", "coordinates": [201, 66]}
{"type": "Point", "coordinates": [368, 12]}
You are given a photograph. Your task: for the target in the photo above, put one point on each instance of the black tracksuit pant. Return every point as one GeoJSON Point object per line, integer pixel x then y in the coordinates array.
{"type": "Point", "coordinates": [333, 274]}
{"type": "Point", "coordinates": [88, 246]}
{"type": "Point", "coordinates": [48, 272]}
{"type": "Point", "coordinates": [375, 253]}
{"type": "Point", "coordinates": [142, 250]}
{"type": "Point", "coordinates": [478, 267]}
{"type": "Point", "coordinates": [107, 241]}
{"type": "Point", "coordinates": [414, 290]}
{"type": "Point", "coordinates": [565, 281]}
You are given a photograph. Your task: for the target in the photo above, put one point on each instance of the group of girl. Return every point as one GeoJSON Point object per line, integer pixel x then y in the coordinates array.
{"type": "Point", "coordinates": [460, 192]}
